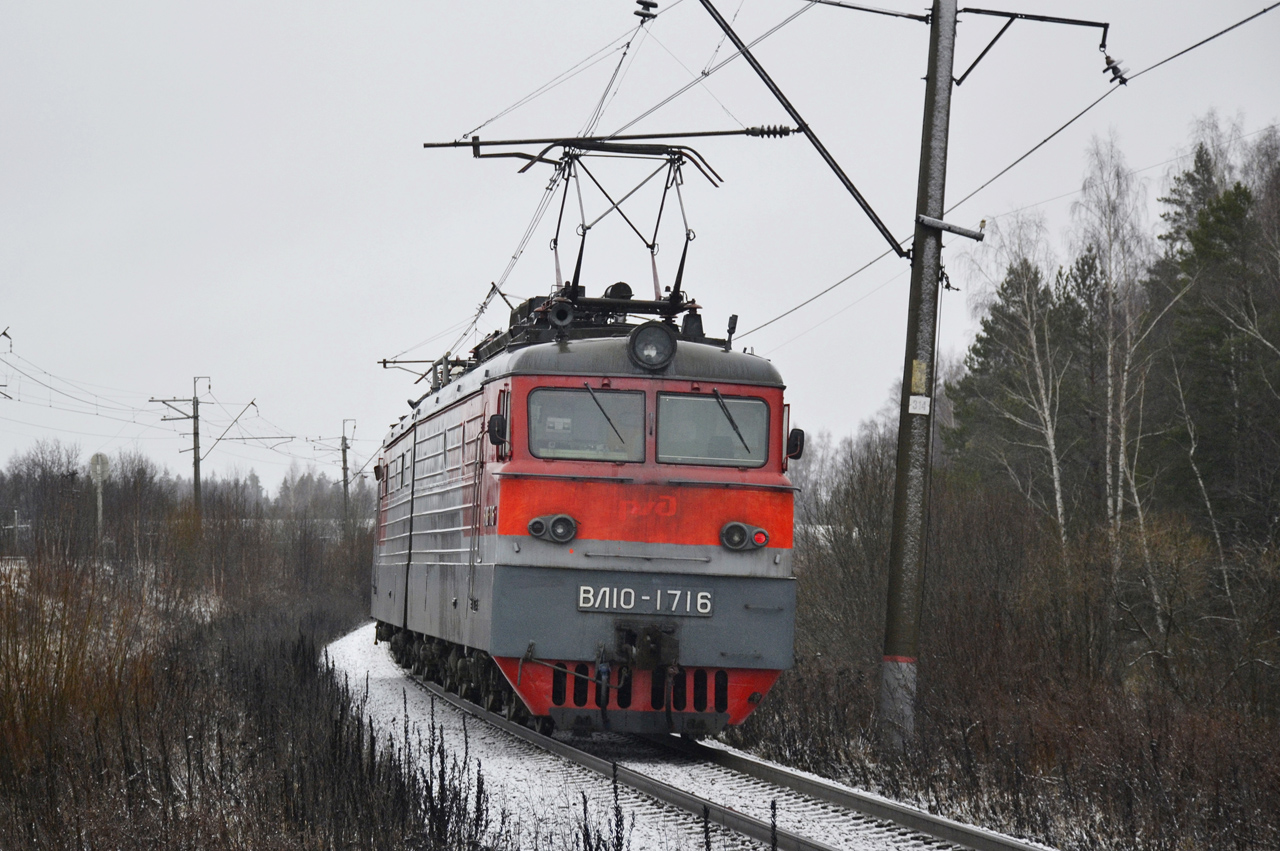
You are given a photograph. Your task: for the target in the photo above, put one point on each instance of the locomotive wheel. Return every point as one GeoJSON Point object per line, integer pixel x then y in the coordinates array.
{"type": "Point", "coordinates": [543, 724]}
{"type": "Point", "coordinates": [397, 647]}
{"type": "Point", "coordinates": [477, 678]}
{"type": "Point", "coordinates": [451, 680]}
{"type": "Point", "coordinates": [496, 693]}
{"type": "Point", "coordinates": [490, 696]}
{"type": "Point", "coordinates": [515, 712]}
{"type": "Point", "coordinates": [476, 688]}
{"type": "Point", "coordinates": [466, 677]}
{"type": "Point", "coordinates": [416, 655]}
{"type": "Point", "coordinates": [432, 668]}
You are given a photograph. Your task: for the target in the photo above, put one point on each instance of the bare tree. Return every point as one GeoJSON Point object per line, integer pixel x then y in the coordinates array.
{"type": "Point", "coordinates": [1022, 333]}
{"type": "Point", "coordinates": [1110, 222]}
{"type": "Point", "coordinates": [1192, 445]}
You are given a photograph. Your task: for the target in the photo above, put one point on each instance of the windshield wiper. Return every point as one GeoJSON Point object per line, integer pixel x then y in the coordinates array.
{"type": "Point", "coordinates": [606, 413]}
{"type": "Point", "coordinates": [729, 417]}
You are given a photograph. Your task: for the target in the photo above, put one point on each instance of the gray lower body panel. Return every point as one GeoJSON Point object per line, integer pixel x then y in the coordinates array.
{"type": "Point", "coordinates": [749, 622]}
{"type": "Point", "coordinates": [577, 614]}
{"type": "Point", "coordinates": [452, 601]}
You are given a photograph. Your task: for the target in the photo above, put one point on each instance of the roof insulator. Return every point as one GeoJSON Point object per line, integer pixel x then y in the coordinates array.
{"type": "Point", "coordinates": [770, 131]}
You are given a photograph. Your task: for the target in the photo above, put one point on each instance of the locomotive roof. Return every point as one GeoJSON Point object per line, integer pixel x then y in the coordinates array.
{"type": "Point", "coordinates": [603, 356]}
{"type": "Point", "coordinates": [608, 356]}
{"type": "Point", "coordinates": [570, 334]}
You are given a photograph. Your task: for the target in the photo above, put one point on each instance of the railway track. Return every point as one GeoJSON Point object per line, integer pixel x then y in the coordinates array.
{"type": "Point", "coordinates": [812, 814]}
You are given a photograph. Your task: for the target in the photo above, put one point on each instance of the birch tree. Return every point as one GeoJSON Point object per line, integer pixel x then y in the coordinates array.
{"type": "Point", "coordinates": [1109, 223]}
{"type": "Point", "coordinates": [1016, 369]}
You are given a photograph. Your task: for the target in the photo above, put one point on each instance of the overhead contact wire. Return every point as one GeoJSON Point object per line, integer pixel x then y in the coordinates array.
{"type": "Point", "coordinates": [114, 405]}
{"type": "Point", "coordinates": [645, 35]}
{"type": "Point", "coordinates": [598, 57]}
{"type": "Point", "coordinates": [701, 79]}
{"type": "Point", "coordinates": [1009, 167]}
{"type": "Point", "coordinates": [1108, 94]}
{"type": "Point", "coordinates": [692, 73]}
{"type": "Point", "coordinates": [814, 298]}
{"type": "Point", "coordinates": [589, 128]}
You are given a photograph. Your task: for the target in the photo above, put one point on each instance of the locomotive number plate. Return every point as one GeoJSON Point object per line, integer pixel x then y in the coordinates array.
{"type": "Point", "coordinates": [685, 602]}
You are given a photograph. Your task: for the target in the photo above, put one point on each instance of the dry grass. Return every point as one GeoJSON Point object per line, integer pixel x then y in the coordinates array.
{"type": "Point", "coordinates": [1051, 704]}
{"type": "Point", "coordinates": [165, 689]}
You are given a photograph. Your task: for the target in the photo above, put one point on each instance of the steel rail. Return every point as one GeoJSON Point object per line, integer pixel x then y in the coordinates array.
{"type": "Point", "coordinates": [899, 815]}
{"type": "Point", "coordinates": [968, 836]}
{"type": "Point", "coordinates": [729, 819]}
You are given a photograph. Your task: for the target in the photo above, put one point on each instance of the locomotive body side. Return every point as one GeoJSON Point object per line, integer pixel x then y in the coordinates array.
{"type": "Point", "coordinates": [644, 619]}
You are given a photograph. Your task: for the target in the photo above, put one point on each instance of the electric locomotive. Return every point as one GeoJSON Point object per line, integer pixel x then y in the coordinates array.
{"type": "Point", "coordinates": [589, 523]}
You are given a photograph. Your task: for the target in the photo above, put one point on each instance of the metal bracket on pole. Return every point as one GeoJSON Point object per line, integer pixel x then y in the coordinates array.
{"type": "Point", "coordinates": [1022, 16]}
{"type": "Point", "coordinates": [930, 222]}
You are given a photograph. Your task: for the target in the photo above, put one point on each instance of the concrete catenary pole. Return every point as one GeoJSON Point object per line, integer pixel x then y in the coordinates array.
{"type": "Point", "coordinates": [915, 423]}
{"type": "Point", "coordinates": [346, 476]}
{"type": "Point", "coordinates": [98, 467]}
{"type": "Point", "coordinates": [194, 416]}
{"type": "Point", "coordinates": [195, 443]}
{"type": "Point", "coordinates": [346, 496]}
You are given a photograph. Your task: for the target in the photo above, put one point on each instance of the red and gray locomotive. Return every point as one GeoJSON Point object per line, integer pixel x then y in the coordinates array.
{"type": "Point", "coordinates": [589, 522]}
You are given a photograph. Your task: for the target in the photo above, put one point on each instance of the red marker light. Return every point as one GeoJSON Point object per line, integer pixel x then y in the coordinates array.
{"type": "Point", "coordinates": [760, 538]}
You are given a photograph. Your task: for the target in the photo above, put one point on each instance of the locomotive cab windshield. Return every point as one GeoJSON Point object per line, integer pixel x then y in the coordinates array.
{"type": "Point", "coordinates": [608, 425]}
{"type": "Point", "coordinates": [715, 430]}
{"type": "Point", "coordinates": [586, 425]}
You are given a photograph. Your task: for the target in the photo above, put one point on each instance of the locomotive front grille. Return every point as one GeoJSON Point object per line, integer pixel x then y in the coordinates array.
{"type": "Point", "coordinates": [617, 690]}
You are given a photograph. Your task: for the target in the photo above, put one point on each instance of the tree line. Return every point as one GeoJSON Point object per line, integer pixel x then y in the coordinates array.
{"type": "Point", "coordinates": [1100, 648]}
{"type": "Point", "coordinates": [48, 506]}
{"type": "Point", "coordinates": [1131, 398]}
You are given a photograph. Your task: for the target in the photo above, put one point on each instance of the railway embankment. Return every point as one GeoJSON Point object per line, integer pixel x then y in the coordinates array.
{"type": "Point", "coordinates": [165, 686]}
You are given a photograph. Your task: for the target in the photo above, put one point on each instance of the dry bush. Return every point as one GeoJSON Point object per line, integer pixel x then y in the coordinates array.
{"type": "Point", "coordinates": [161, 688]}
{"type": "Point", "coordinates": [72, 646]}
{"type": "Point", "coordinates": [1051, 704]}
{"type": "Point", "coordinates": [128, 726]}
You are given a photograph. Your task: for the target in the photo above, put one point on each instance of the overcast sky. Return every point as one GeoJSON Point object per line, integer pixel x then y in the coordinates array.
{"type": "Point", "coordinates": [239, 190]}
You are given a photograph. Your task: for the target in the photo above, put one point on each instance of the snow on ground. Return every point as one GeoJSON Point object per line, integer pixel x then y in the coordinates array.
{"type": "Point", "coordinates": [797, 812]}
{"type": "Point", "coordinates": [541, 792]}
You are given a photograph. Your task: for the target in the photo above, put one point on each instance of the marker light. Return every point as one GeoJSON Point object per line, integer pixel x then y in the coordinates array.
{"type": "Point", "coordinates": [740, 536]}
{"type": "Point", "coordinates": [652, 345]}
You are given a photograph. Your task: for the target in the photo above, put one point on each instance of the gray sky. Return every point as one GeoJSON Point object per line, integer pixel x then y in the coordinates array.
{"type": "Point", "coordinates": [239, 189]}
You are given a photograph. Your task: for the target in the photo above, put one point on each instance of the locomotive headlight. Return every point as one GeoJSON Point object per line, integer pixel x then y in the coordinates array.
{"type": "Point", "coordinates": [734, 536]}
{"type": "Point", "coordinates": [652, 345]}
{"type": "Point", "coordinates": [562, 529]}
{"type": "Point", "coordinates": [559, 528]}
{"type": "Point", "coordinates": [740, 536]}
